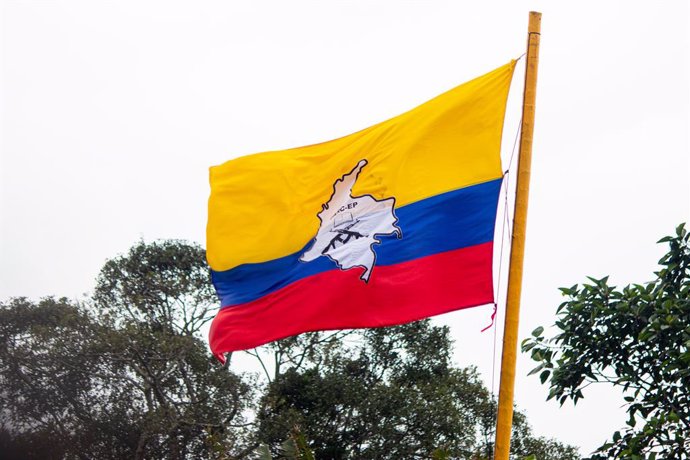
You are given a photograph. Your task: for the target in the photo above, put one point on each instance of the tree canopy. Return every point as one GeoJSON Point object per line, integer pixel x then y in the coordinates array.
{"type": "Point", "coordinates": [636, 338]}
{"type": "Point", "coordinates": [389, 393]}
{"type": "Point", "coordinates": [124, 376]}
{"type": "Point", "coordinates": [127, 374]}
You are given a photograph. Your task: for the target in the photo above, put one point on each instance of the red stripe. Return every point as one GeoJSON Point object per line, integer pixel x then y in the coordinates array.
{"type": "Point", "coordinates": [338, 299]}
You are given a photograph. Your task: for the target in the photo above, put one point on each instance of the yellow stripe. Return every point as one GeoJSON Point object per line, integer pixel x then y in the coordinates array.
{"type": "Point", "coordinates": [264, 206]}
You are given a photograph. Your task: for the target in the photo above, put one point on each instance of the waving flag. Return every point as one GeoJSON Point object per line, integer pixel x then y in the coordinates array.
{"type": "Point", "coordinates": [388, 225]}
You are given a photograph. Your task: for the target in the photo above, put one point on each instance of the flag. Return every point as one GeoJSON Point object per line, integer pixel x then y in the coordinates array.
{"type": "Point", "coordinates": [385, 226]}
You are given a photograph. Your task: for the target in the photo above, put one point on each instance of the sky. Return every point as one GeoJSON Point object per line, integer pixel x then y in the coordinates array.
{"type": "Point", "coordinates": [112, 113]}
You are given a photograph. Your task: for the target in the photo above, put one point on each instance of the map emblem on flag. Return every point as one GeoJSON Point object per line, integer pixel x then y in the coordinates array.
{"type": "Point", "coordinates": [350, 226]}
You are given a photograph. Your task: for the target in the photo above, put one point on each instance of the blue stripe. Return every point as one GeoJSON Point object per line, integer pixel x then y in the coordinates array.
{"type": "Point", "coordinates": [452, 220]}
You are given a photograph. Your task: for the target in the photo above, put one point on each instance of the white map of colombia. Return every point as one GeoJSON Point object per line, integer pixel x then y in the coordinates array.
{"type": "Point", "coordinates": [350, 226]}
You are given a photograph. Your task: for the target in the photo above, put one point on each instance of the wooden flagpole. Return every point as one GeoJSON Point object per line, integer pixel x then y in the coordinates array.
{"type": "Point", "coordinates": [504, 419]}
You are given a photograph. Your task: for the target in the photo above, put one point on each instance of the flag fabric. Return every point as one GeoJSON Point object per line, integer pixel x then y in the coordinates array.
{"type": "Point", "coordinates": [385, 226]}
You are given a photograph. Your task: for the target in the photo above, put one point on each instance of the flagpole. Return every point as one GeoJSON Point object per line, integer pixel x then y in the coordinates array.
{"type": "Point", "coordinates": [504, 419]}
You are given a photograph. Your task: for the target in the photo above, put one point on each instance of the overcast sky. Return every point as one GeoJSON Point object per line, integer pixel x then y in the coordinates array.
{"type": "Point", "coordinates": [113, 112]}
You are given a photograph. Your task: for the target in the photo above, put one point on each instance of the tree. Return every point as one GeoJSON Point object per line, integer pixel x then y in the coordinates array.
{"type": "Point", "coordinates": [164, 285]}
{"type": "Point", "coordinates": [157, 298]}
{"type": "Point", "coordinates": [126, 376]}
{"type": "Point", "coordinates": [637, 339]}
{"type": "Point", "coordinates": [52, 406]}
{"type": "Point", "coordinates": [386, 393]}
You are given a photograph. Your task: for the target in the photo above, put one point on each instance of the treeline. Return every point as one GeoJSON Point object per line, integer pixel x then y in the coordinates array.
{"type": "Point", "coordinates": [127, 374]}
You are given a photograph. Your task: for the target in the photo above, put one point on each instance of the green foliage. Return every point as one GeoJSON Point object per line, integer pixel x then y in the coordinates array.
{"type": "Point", "coordinates": [47, 357]}
{"type": "Point", "coordinates": [387, 393]}
{"type": "Point", "coordinates": [636, 338]}
{"type": "Point", "coordinates": [127, 375]}
{"type": "Point", "coordinates": [165, 285]}
{"type": "Point", "coordinates": [295, 447]}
